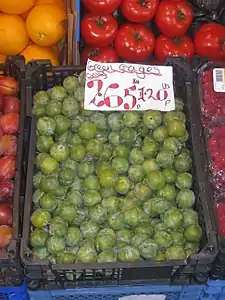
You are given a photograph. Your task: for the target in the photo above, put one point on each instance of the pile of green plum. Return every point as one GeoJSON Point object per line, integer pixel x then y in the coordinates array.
{"type": "Point", "coordinates": [110, 186]}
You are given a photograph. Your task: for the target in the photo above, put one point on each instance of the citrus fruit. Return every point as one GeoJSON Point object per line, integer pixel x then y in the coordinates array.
{"type": "Point", "coordinates": [45, 24]}
{"type": "Point", "coordinates": [14, 37]}
{"type": "Point", "coordinates": [35, 52]}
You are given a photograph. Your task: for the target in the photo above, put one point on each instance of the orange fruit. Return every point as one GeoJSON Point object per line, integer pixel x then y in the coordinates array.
{"type": "Point", "coordinates": [3, 58]}
{"type": "Point", "coordinates": [38, 2]}
{"type": "Point", "coordinates": [34, 52]}
{"type": "Point", "coordinates": [45, 24]}
{"type": "Point", "coordinates": [16, 7]}
{"type": "Point", "coordinates": [25, 14]}
{"type": "Point", "coordinates": [57, 2]}
{"type": "Point", "coordinates": [14, 37]}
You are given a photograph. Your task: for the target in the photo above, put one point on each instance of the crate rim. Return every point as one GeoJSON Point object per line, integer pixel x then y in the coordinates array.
{"type": "Point", "coordinates": [126, 289]}
{"type": "Point", "coordinates": [205, 256]}
{"type": "Point", "coordinates": [5, 256]}
{"type": "Point", "coordinates": [202, 67]}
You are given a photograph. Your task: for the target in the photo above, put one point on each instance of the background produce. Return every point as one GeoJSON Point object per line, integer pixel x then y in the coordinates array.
{"type": "Point", "coordinates": [32, 28]}
{"type": "Point", "coordinates": [142, 30]}
{"type": "Point", "coordinates": [210, 78]}
{"type": "Point", "coordinates": [9, 126]}
{"type": "Point", "coordinates": [110, 186]}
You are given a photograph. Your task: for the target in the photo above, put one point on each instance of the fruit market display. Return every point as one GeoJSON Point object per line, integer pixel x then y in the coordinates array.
{"type": "Point", "coordinates": [9, 126]}
{"type": "Point", "coordinates": [110, 186]}
{"type": "Point", "coordinates": [134, 31]}
{"type": "Point", "coordinates": [32, 28]}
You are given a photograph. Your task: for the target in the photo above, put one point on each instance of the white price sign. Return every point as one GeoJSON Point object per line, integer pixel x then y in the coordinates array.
{"type": "Point", "coordinates": [219, 80]}
{"type": "Point", "coordinates": [123, 86]}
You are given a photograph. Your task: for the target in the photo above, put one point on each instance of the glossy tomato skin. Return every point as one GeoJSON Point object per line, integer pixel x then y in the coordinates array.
{"type": "Point", "coordinates": [104, 7]}
{"type": "Point", "coordinates": [139, 11]}
{"type": "Point", "coordinates": [165, 47]}
{"type": "Point", "coordinates": [101, 54]}
{"type": "Point", "coordinates": [209, 41]}
{"type": "Point", "coordinates": [173, 18]}
{"type": "Point", "coordinates": [98, 30]}
{"type": "Point", "coordinates": [134, 42]}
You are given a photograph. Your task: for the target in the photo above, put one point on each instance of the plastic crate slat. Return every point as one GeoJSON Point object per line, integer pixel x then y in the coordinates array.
{"type": "Point", "coordinates": [14, 293]}
{"type": "Point", "coordinates": [176, 292]}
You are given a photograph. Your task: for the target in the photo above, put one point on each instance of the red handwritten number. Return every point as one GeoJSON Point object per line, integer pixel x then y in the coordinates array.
{"type": "Point", "coordinates": [114, 101]}
{"type": "Point", "coordinates": [161, 95]}
{"type": "Point", "coordinates": [99, 85]}
{"type": "Point", "coordinates": [142, 94]}
{"type": "Point", "coordinates": [133, 99]}
{"type": "Point", "coordinates": [108, 100]}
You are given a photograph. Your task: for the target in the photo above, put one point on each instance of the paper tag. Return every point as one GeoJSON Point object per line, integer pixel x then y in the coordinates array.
{"type": "Point", "coordinates": [122, 86]}
{"type": "Point", "coordinates": [144, 297]}
{"type": "Point", "coordinates": [219, 80]}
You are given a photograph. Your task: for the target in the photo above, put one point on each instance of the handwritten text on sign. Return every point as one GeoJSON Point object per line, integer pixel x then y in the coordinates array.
{"type": "Point", "coordinates": [121, 86]}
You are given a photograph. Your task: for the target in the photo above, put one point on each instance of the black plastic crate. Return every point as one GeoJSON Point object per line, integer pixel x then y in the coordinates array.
{"type": "Point", "coordinates": [42, 274]}
{"type": "Point", "coordinates": [218, 268]}
{"type": "Point", "coordinates": [11, 273]}
{"type": "Point", "coordinates": [208, 5]}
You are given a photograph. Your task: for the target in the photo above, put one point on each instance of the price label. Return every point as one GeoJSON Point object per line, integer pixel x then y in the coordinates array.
{"type": "Point", "coordinates": [219, 80]}
{"type": "Point", "coordinates": [123, 86]}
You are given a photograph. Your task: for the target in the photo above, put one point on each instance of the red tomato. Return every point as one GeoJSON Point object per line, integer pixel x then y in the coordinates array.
{"type": "Point", "coordinates": [101, 54]}
{"type": "Point", "coordinates": [134, 42]}
{"type": "Point", "coordinates": [5, 235]}
{"type": "Point", "coordinates": [165, 46]}
{"type": "Point", "coordinates": [209, 41]}
{"type": "Point", "coordinates": [98, 30]}
{"type": "Point", "coordinates": [139, 11]}
{"type": "Point", "coordinates": [105, 7]}
{"type": "Point", "coordinates": [10, 123]}
{"type": "Point", "coordinates": [7, 167]}
{"type": "Point", "coordinates": [11, 104]}
{"type": "Point", "coordinates": [6, 190]}
{"type": "Point", "coordinates": [5, 215]}
{"type": "Point", "coordinates": [173, 18]}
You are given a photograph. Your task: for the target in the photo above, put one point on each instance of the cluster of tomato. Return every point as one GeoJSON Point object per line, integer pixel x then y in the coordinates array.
{"type": "Point", "coordinates": [9, 127]}
{"type": "Point", "coordinates": [134, 41]}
